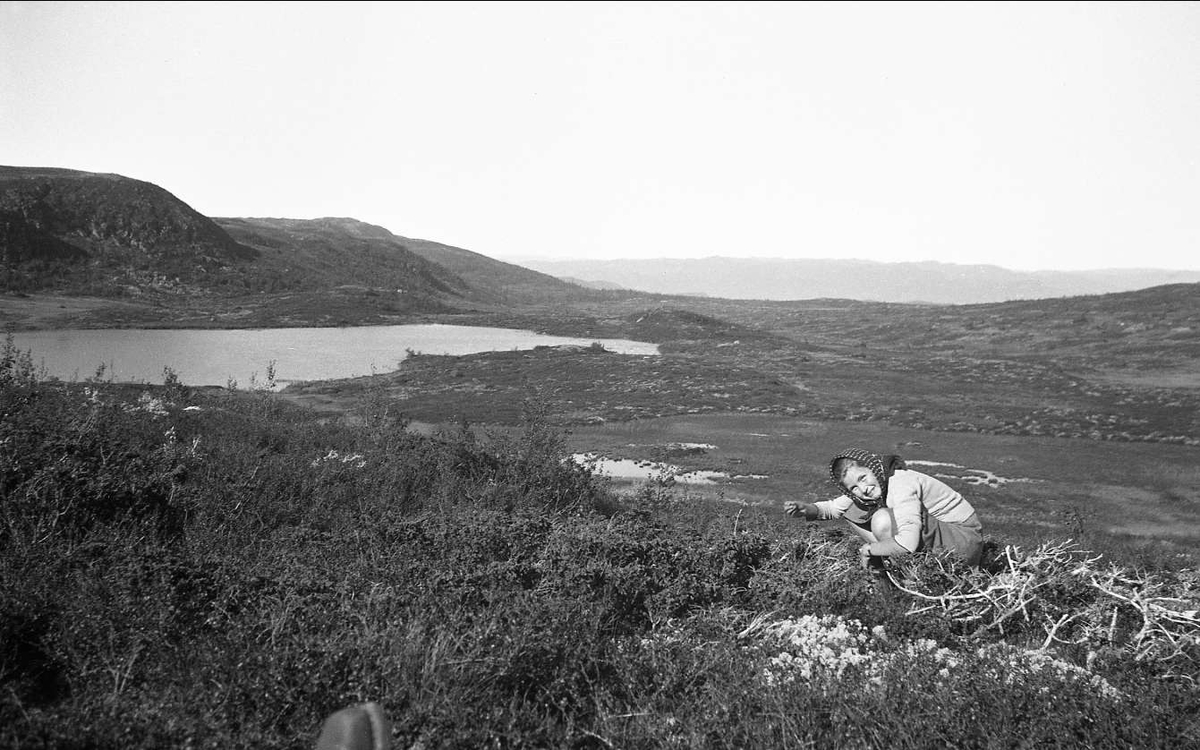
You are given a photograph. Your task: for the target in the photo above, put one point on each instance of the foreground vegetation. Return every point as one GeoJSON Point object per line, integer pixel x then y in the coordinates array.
{"type": "Point", "coordinates": [186, 568]}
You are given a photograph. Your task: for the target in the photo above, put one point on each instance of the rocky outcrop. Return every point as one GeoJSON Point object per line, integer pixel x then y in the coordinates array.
{"type": "Point", "coordinates": [103, 215]}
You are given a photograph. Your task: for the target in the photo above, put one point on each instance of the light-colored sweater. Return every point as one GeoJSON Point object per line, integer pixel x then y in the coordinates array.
{"type": "Point", "coordinates": [907, 491]}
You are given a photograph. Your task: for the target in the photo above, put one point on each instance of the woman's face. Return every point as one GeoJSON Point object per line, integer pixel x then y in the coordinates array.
{"type": "Point", "coordinates": [862, 483]}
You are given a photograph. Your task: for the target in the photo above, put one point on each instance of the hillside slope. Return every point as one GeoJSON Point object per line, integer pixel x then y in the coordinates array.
{"type": "Point", "coordinates": [512, 282]}
{"type": "Point", "coordinates": [104, 234]}
{"type": "Point", "coordinates": [312, 254]}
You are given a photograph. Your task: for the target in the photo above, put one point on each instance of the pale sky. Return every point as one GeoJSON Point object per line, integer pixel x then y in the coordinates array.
{"type": "Point", "coordinates": [1027, 135]}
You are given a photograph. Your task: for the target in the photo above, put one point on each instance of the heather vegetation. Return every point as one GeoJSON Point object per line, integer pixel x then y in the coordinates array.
{"type": "Point", "coordinates": [221, 568]}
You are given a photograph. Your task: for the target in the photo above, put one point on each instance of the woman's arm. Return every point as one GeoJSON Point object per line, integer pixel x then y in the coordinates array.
{"type": "Point", "coordinates": [822, 510]}
{"type": "Point", "coordinates": [808, 510]}
{"type": "Point", "coordinates": [885, 548]}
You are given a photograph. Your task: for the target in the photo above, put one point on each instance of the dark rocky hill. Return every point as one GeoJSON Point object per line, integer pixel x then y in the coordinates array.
{"type": "Point", "coordinates": [103, 234]}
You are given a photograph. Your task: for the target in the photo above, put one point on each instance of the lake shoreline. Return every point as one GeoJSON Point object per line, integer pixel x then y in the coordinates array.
{"type": "Point", "coordinates": [200, 357]}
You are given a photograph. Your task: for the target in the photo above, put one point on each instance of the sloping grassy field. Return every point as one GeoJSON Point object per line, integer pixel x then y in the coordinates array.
{"type": "Point", "coordinates": [214, 568]}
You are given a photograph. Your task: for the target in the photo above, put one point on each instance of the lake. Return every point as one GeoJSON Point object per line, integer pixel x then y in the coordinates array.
{"type": "Point", "coordinates": [225, 357]}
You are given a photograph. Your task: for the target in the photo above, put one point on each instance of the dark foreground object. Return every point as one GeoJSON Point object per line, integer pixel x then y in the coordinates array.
{"type": "Point", "coordinates": [362, 727]}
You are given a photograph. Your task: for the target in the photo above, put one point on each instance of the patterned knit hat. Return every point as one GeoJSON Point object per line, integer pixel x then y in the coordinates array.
{"type": "Point", "coordinates": [881, 466]}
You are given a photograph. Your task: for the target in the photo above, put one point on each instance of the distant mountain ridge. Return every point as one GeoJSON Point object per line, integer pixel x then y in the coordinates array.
{"type": "Point", "coordinates": [105, 235]}
{"type": "Point", "coordinates": [796, 279]}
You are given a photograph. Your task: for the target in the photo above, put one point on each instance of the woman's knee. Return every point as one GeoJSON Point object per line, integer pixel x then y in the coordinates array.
{"type": "Point", "coordinates": [883, 524]}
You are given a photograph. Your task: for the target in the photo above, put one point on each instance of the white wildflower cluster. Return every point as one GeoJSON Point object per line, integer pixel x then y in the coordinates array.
{"type": "Point", "coordinates": [826, 646]}
{"type": "Point", "coordinates": [819, 648]}
{"type": "Point", "coordinates": [149, 404]}
{"type": "Point", "coordinates": [354, 460]}
{"type": "Point", "coordinates": [815, 646]}
{"type": "Point", "coordinates": [1010, 664]}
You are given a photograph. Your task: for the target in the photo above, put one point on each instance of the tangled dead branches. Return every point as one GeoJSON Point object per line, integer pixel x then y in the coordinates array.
{"type": "Point", "coordinates": [1075, 601]}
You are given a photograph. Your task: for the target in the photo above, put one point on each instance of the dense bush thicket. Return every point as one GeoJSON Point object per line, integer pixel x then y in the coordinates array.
{"type": "Point", "coordinates": [215, 569]}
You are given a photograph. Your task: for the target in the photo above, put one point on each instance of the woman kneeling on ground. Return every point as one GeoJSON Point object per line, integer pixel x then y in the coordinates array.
{"type": "Point", "coordinates": [895, 510]}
